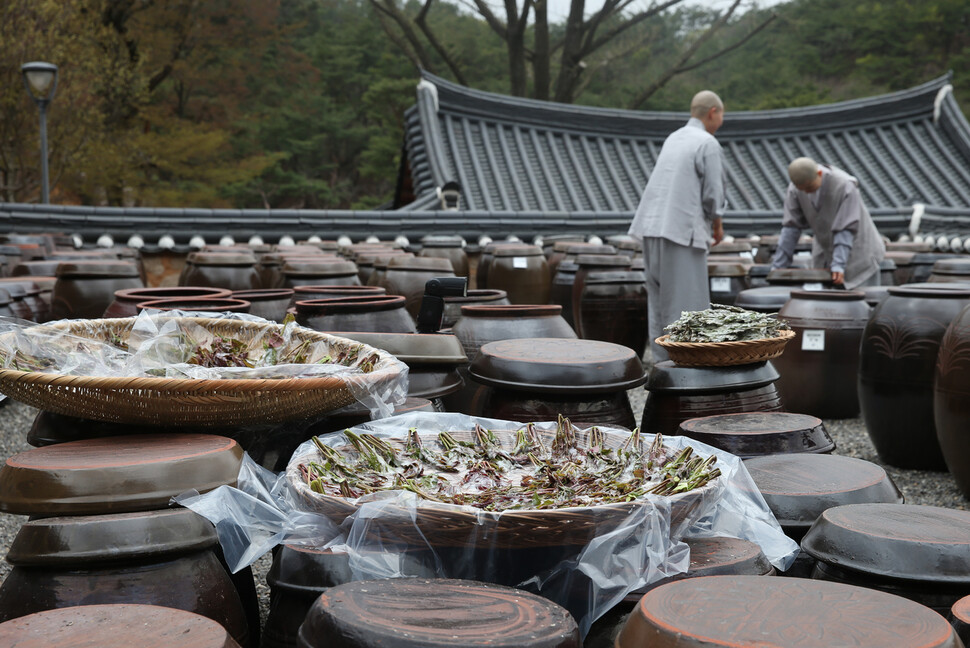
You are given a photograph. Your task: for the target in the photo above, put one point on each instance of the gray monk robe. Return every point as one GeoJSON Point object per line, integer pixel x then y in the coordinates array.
{"type": "Point", "coordinates": [683, 196]}
{"type": "Point", "coordinates": [845, 238]}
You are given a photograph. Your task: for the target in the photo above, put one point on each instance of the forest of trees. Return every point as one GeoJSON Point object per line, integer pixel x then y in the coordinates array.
{"type": "Point", "coordinates": [300, 103]}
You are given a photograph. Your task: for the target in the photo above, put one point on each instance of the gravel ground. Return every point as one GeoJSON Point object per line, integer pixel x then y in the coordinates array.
{"type": "Point", "coordinates": [918, 487]}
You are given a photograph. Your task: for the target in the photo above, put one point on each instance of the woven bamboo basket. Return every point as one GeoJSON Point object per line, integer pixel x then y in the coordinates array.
{"type": "Point", "coordinates": [724, 354]}
{"type": "Point", "coordinates": [196, 402]}
{"type": "Point", "coordinates": [451, 525]}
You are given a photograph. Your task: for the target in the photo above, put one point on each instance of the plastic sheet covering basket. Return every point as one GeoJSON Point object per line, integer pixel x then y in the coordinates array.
{"type": "Point", "coordinates": [723, 354]}
{"type": "Point", "coordinates": [206, 402]}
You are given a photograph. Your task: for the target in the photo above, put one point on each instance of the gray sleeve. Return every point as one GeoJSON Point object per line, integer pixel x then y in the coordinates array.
{"type": "Point", "coordinates": [710, 169]}
{"type": "Point", "coordinates": [786, 247]}
{"type": "Point", "coordinates": [842, 245]}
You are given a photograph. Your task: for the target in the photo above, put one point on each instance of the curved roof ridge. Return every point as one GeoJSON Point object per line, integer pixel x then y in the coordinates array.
{"type": "Point", "coordinates": [492, 107]}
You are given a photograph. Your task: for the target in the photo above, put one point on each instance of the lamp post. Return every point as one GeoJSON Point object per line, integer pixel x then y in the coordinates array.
{"type": "Point", "coordinates": [40, 79]}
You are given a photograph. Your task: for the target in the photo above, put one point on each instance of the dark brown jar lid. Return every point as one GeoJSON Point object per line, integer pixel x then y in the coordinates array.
{"type": "Point", "coordinates": [574, 249]}
{"type": "Point", "coordinates": [381, 261]}
{"type": "Point", "coordinates": [753, 434]}
{"type": "Point", "coordinates": [413, 348]}
{"type": "Point", "coordinates": [234, 258]}
{"type": "Point", "coordinates": [800, 276]}
{"type": "Point", "coordinates": [44, 268]}
{"type": "Point", "coordinates": [567, 267]}
{"type": "Point", "coordinates": [934, 290]}
{"type": "Point", "coordinates": [116, 474]}
{"type": "Point", "coordinates": [799, 487]}
{"type": "Point", "coordinates": [929, 258]}
{"type": "Point", "coordinates": [563, 245]}
{"type": "Point", "coordinates": [960, 618]}
{"type": "Point", "coordinates": [899, 257]}
{"type": "Point", "coordinates": [29, 286]}
{"type": "Point", "coordinates": [167, 292]}
{"type": "Point", "coordinates": [198, 304]}
{"type": "Point", "coordinates": [320, 269]}
{"type": "Point", "coordinates": [557, 365]}
{"type": "Point", "coordinates": [900, 541]}
{"type": "Point", "coordinates": [669, 377]}
{"type": "Point", "coordinates": [337, 290]}
{"type": "Point", "coordinates": [46, 283]}
{"type": "Point", "coordinates": [726, 270]}
{"type": "Point", "coordinates": [754, 611]}
{"type": "Point", "coordinates": [614, 277]}
{"type": "Point", "coordinates": [115, 537]}
{"type": "Point", "coordinates": [115, 626]}
{"type": "Point", "coordinates": [763, 299]}
{"type": "Point", "coordinates": [263, 294]}
{"type": "Point", "coordinates": [478, 296]}
{"type": "Point", "coordinates": [717, 557]}
{"type": "Point", "coordinates": [828, 295]}
{"type": "Point", "coordinates": [420, 612]}
{"type": "Point", "coordinates": [299, 568]}
{"type": "Point", "coordinates": [352, 304]}
{"type": "Point", "coordinates": [512, 311]}
{"type": "Point", "coordinates": [518, 251]}
{"type": "Point", "coordinates": [733, 247]}
{"type": "Point", "coordinates": [422, 264]}
{"type": "Point", "coordinates": [96, 269]}
{"type": "Point", "coordinates": [606, 260]}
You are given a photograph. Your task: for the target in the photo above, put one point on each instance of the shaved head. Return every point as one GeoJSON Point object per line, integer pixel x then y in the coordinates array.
{"type": "Point", "coordinates": [703, 101]}
{"type": "Point", "coordinates": [802, 171]}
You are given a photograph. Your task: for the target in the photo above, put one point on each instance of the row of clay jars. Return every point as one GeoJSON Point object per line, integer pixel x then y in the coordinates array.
{"type": "Point", "coordinates": [520, 270]}
{"type": "Point", "coordinates": [84, 289]}
{"type": "Point", "coordinates": [951, 399]}
{"type": "Point", "coordinates": [27, 298]}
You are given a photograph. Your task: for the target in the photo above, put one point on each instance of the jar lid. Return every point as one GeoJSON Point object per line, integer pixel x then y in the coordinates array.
{"type": "Point", "coordinates": [828, 295]}
{"type": "Point", "coordinates": [511, 311]}
{"type": "Point", "coordinates": [574, 249]}
{"type": "Point", "coordinates": [318, 269]}
{"type": "Point", "coordinates": [45, 268]}
{"type": "Point", "coordinates": [97, 269]}
{"type": "Point", "coordinates": [887, 264]}
{"type": "Point", "coordinates": [263, 294]}
{"type": "Point", "coordinates": [115, 537]}
{"type": "Point", "coordinates": [726, 270]}
{"type": "Point", "coordinates": [437, 613]}
{"type": "Point", "coordinates": [557, 365]}
{"type": "Point", "coordinates": [952, 266]}
{"type": "Point", "coordinates": [615, 277]}
{"type": "Point", "coordinates": [567, 267]}
{"type": "Point", "coordinates": [610, 260]}
{"type": "Point", "coordinates": [165, 292]}
{"type": "Point", "coordinates": [5, 297]}
{"type": "Point", "coordinates": [929, 258]}
{"type": "Point", "coordinates": [799, 487]}
{"type": "Point", "coordinates": [202, 304]}
{"type": "Point", "coordinates": [900, 258]}
{"type": "Point", "coordinates": [420, 264]}
{"type": "Point", "coordinates": [335, 290]}
{"type": "Point", "coordinates": [800, 275]}
{"type": "Point", "coordinates": [519, 250]}
{"type": "Point", "coordinates": [115, 474]}
{"type": "Point", "coordinates": [752, 434]}
{"type": "Point", "coordinates": [763, 299]}
{"type": "Point", "coordinates": [669, 377]}
{"type": "Point", "coordinates": [15, 290]}
{"type": "Point", "coordinates": [916, 543]}
{"type": "Point", "coordinates": [352, 304]}
{"type": "Point", "coordinates": [733, 247]}
{"type": "Point", "coordinates": [303, 569]}
{"type": "Point", "coordinates": [759, 270]}
{"type": "Point", "coordinates": [478, 296]}
{"type": "Point", "coordinates": [413, 348]}
{"type": "Point", "coordinates": [30, 286]}
{"type": "Point", "coordinates": [221, 258]}
{"type": "Point", "coordinates": [935, 290]}
{"type": "Point", "coordinates": [730, 258]}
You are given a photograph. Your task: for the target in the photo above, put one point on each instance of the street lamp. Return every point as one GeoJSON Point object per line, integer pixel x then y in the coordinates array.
{"type": "Point", "coordinates": [40, 79]}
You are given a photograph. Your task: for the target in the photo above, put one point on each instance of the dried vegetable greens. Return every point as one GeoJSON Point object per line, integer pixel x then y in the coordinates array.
{"type": "Point", "coordinates": [722, 323]}
{"type": "Point", "coordinates": [535, 473]}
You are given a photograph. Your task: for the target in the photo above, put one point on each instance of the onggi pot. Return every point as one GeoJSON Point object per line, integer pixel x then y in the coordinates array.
{"type": "Point", "coordinates": [951, 399]}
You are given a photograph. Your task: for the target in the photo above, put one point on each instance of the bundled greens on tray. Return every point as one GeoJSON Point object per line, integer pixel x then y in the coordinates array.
{"type": "Point", "coordinates": [534, 471]}
{"type": "Point", "coordinates": [722, 323]}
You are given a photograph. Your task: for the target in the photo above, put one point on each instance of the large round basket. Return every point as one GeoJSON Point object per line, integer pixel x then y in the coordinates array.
{"type": "Point", "coordinates": [188, 401]}
{"type": "Point", "coordinates": [724, 354]}
{"type": "Point", "coordinates": [450, 525]}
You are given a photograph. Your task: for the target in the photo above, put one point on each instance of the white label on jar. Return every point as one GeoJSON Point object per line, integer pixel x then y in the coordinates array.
{"type": "Point", "coordinates": [720, 284]}
{"type": "Point", "coordinates": [804, 254]}
{"type": "Point", "coordinates": [812, 286]}
{"type": "Point", "coordinates": [754, 251]}
{"type": "Point", "coordinates": [520, 262]}
{"type": "Point", "coordinates": [813, 340]}
{"type": "Point", "coordinates": [748, 255]}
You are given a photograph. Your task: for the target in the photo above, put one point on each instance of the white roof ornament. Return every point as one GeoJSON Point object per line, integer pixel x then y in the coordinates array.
{"type": "Point", "coordinates": [286, 241]}
{"type": "Point", "coordinates": [314, 239]}
{"type": "Point", "coordinates": [914, 220]}
{"type": "Point", "coordinates": [135, 241]}
{"type": "Point", "coordinates": [255, 239]}
{"type": "Point", "coordinates": [166, 242]}
{"type": "Point", "coordinates": [197, 242]}
{"type": "Point", "coordinates": [227, 241]}
{"type": "Point", "coordinates": [432, 89]}
{"type": "Point", "coordinates": [938, 101]}
{"type": "Point", "coordinates": [105, 241]}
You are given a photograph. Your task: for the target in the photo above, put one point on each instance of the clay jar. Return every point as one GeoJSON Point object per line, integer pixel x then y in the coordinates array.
{"type": "Point", "coordinates": [5, 300]}
{"type": "Point", "coordinates": [9, 257]}
{"type": "Point", "coordinates": [125, 303]}
{"type": "Point", "coordinates": [165, 558]}
{"type": "Point", "coordinates": [767, 299]}
{"type": "Point", "coordinates": [382, 314]}
{"type": "Point", "coordinates": [446, 247]}
{"type": "Point", "coordinates": [951, 270]}
{"type": "Point", "coordinates": [676, 394]}
{"type": "Point", "coordinates": [613, 308]}
{"type": "Point", "coordinates": [923, 263]}
{"type": "Point", "coordinates": [197, 304]}
{"type": "Point", "coordinates": [522, 272]}
{"type": "Point", "coordinates": [804, 278]}
{"type": "Point", "coordinates": [485, 261]}
{"type": "Point", "coordinates": [887, 272]}
{"type": "Point", "coordinates": [561, 291]}
{"type": "Point", "coordinates": [268, 303]}
{"type": "Point", "coordinates": [951, 399]}
{"type": "Point", "coordinates": [726, 279]}
{"type": "Point", "coordinates": [820, 366]}
{"type": "Point", "coordinates": [483, 324]}
{"type": "Point", "coordinates": [539, 379]}
{"type": "Point", "coordinates": [270, 270]}
{"type": "Point", "coordinates": [84, 289]}
{"type": "Point", "coordinates": [590, 263]}
{"type": "Point", "coordinates": [35, 268]}
{"type": "Point", "coordinates": [381, 261]}
{"type": "Point", "coordinates": [229, 270]}
{"type": "Point", "coordinates": [408, 276]}
{"type": "Point", "coordinates": [475, 297]}
{"type": "Point", "coordinates": [313, 272]}
{"type": "Point", "coordinates": [570, 250]}
{"type": "Point", "coordinates": [303, 293]}
{"type": "Point", "coordinates": [896, 365]}
{"type": "Point", "coordinates": [39, 308]}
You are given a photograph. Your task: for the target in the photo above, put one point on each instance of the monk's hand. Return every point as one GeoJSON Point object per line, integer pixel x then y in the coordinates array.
{"type": "Point", "coordinates": [717, 230]}
{"type": "Point", "coordinates": [838, 278]}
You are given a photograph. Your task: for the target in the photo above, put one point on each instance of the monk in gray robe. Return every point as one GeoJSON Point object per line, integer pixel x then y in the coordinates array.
{"type": "Point", "coordinates": [846, 241]}
{"type": "Point", "coordinates": [679, 215]}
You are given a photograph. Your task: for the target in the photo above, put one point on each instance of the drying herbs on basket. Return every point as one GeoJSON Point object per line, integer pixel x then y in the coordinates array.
{"type": "Point", "coordinates": [722, 323]}
{"type": "Point", "coordinates": [531, 470]}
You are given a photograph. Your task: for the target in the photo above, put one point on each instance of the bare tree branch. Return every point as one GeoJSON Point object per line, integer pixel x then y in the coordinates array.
{"type": "Point", "coordinates": [497, 25]}
{"type": "Point", "coordinates": [389, 9]}
{"type": "Point", "coordinates": [396, 38]}
{"type": "Point", "coordinates": [449, 60]}
{"type": "Point", "coordinates": [729, 48]}
{"type": "Point", "coordinates": [632, 22]}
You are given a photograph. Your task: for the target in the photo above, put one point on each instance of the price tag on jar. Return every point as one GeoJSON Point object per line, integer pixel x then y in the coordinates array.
{"type": "Point", "coordinates": [520, 262]}
{"type": "Point", "coordinates": [720, 284]}
{"type": "Point", "coordinates": [816, 285]}
{"type": "Point", "coordinates": [813, 340]}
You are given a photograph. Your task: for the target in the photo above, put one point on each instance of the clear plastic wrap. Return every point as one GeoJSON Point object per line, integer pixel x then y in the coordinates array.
{"type": "Point", "coordinates": [630, 546]}
{"type": "Point", "coordinates": [201, 346]}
